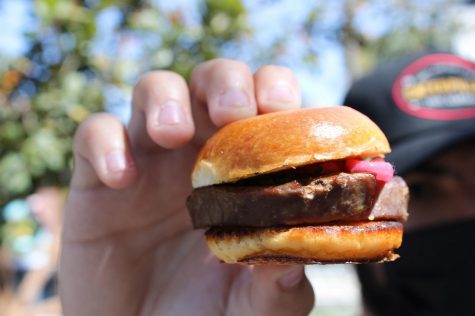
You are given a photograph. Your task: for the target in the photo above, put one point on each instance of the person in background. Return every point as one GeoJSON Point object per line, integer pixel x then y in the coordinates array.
{"type": "Point", "coordinates": [425, 104]}
{"type": "Point", "coordinates": [38, 288]}
{"type": "Point", "coordinates": [30, 254]}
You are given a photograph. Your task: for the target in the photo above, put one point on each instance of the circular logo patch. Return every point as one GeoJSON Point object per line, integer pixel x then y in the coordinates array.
{"type": "Point", "coordinates": [437, 87]}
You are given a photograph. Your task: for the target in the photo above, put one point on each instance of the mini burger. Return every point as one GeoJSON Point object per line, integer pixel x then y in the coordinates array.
{"type": "Point", "coordinates": [304, 186]}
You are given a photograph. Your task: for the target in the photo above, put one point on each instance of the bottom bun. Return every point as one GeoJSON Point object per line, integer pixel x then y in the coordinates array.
{"type": "Point", "coordinates": [360, 242]}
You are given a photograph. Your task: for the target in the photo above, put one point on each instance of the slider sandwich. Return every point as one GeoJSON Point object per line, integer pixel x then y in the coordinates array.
{"type": "Point", "coordinates": [303, 186]}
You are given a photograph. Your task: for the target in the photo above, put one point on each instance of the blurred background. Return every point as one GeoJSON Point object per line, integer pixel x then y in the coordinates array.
{"type": "Point", "coordinates": [63, 60]}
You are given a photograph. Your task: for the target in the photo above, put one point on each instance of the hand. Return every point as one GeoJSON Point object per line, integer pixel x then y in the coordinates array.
{"type": "Point", "coordinates": [128, 244]}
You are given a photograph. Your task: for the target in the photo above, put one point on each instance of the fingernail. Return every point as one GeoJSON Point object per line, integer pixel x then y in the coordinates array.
{"type": "Point", "coordinates": [281, 94]}
{"type": "Point", "coordinates": [116, 161]}
{"type": "Point", "coordinates": [291, 278]}
{"type": "Point", "coordinates": [234, 98]}
{"type": "Point", "coordinates": [171, 113]}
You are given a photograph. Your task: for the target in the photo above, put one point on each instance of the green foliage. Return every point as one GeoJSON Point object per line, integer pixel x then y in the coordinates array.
{"type": "Point", "coordinates": [14, 174]}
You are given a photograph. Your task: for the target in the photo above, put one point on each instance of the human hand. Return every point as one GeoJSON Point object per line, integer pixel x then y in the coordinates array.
{"type": "Point", "coordinates": [128, 245]}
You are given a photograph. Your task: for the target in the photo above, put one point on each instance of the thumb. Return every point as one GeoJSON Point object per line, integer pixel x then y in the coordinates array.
{"type": "Point", "coordinates": [272, 290]}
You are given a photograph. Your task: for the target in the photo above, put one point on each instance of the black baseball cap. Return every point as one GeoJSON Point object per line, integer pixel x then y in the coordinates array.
{"type": "Point", "coordinates": [424, 103]}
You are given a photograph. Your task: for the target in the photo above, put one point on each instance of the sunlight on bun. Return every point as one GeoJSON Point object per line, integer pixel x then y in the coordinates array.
{"type": "Point", "coordinates": [285, 140]}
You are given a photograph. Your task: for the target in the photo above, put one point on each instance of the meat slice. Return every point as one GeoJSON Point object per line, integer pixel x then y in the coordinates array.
{"type": "Point", "coordinates": [338, 197]}
{"type": "Point", "coordinates": [392, 202]}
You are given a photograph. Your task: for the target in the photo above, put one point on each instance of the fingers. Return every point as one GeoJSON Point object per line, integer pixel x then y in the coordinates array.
{"type": "Point", "coordinates": [274, 290]}
{"type": "Point", "coordinates": [161, 111]}
{"type": "Point", "coordinates": [102, 154]}
{"type": "Point", "coordinates": [281, 290]}
{"type": "Point", "coordinates": [276, 89]}
{"type": "Point", "coordinates": [222, 91]}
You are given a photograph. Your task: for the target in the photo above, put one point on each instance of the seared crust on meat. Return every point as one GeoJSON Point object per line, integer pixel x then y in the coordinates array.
{"type": "Point", "coordinates": [333, 243]}
{"type": "Point", "coordinates": [338, 197]}
{"type": "Point", "coordinates": [323, 199]}
{"type": "Point", "coordinates": [392, 202]}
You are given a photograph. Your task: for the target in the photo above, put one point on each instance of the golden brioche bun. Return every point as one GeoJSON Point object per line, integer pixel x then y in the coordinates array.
{"type": "Point", "coordinates": [334, 243]}
{"type": "Point", "coordinates": [284, 140]}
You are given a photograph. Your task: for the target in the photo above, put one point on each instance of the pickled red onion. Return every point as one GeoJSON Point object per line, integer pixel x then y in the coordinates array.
{"type": "Point", "coordinates": [382, 170]}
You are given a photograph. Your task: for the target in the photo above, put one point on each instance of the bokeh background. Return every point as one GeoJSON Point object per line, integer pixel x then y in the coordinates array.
{"type": "Point", "coordinates": [62, 60]}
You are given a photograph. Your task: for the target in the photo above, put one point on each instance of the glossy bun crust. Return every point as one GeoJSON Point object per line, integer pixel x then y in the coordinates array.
{"type": "Point", "coordinates": [361, 242]}
{"type": "Point", "coordinates": [284, 140]}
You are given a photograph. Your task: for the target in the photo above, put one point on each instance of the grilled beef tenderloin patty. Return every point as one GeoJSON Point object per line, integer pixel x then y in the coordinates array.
{"type": "Point", "coordinates": [303, 201]}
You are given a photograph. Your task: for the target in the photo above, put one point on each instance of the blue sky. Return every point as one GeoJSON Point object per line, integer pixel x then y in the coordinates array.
{"type": "Point", "coordinates": [16, 18]}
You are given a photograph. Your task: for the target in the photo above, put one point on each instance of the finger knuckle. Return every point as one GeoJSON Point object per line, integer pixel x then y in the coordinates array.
{"type": "Point", "coordinates": [152, 78]}
{"type": "Point", "coordinates": [219, 66]}
{"type": "Point", "coordinates": [89, 129]}
{"type": "Point", "coordinates": [158, 84]}
{"type": "Point", "coordinates": [273, 70]}
{"type": "Point", "coordinates": [230, 65]}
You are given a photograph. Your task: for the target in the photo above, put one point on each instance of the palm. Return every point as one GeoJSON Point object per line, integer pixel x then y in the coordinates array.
{"type": "Point", "coordinates": [145, 230]}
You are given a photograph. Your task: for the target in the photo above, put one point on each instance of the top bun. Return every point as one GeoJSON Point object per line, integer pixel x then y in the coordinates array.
{"type": "Point", "coordinates": [284, 140]}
